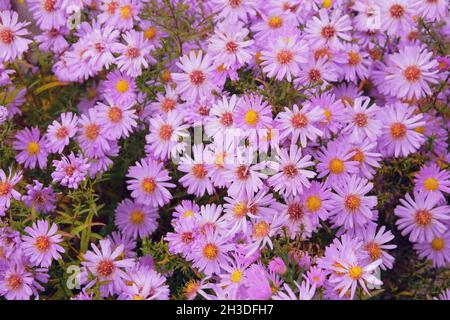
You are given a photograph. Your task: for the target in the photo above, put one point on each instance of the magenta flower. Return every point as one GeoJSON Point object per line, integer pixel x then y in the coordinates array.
{"type": "Point", "coordinates": [71, 170]}
{"type": "Point", "coordinates": [148, 183]}
{"type": "Point", "coordinates": [145, 284]}
{"type": "Point", "coordinates": [120, 87]}
{"type": "Point", "coordinates": [48, 13]}
{"type": "Point", "coordinates": [41, 198]}
{"type": "Point", "coordinates": [32, 148]}
{"type": "Point", "coordinates": [7, 190]}
{"type": "Point", "coordinates": [436, 250]}
{"type": "Point", "coordinates": [422, 217]}
{"type": "Point", "coordinates": [59, 133]}
{"type": "Point", "coordinates": [116, 119]}
{"type": "Point", "coordinates": [16, 282]}
{"type": "Point", "coordinates": [41, 244]}
{"type": "Point", "coordinates": [253, 113]}
{"type": "Point", "coordinates": [136, 220]}
{"type": "Point", "coordinates": [92, 134]}
{"type": "Point", "coordinates": [133, 55]}
{"type": "Point", "coordinates": [430, 179]}
{"type": "Point", "coordinates": [12, 43]}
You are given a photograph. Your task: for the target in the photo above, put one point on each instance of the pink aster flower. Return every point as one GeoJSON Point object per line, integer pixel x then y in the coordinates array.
{"type": "Point", "coordinates": [197, 178]}
{"type": "Point", "coordinates": [333, 110]}
{"type": "Point", "coordinates": [53, 40]}
{"type": "Point", "coordinates": [117, 120]}
{"type": "Point", "coordinates": [335, 160]}
{"type": "Point", "coordinates": [144, 283]}
{"type": "Point", "coordinates": [16, 282]}
{"type": "Point", "coordinates": [148, 183]}
{"type": "Point", "coordinates": [364, 153]}
{"type": "Point", "coordinates": [41, 243]}
{"type": "Point", "coordinates": [107, 266]}
{"type": "Point", "coordinates": [300, 124]}
{"type": "Point", "coordinates": [244, 178]}
{"type": "Point", "coordinates": [136, 220]}
{"type": "Point", "coordinates": [70, 171]}
{"type": "Point", "coordinates": [181, 240]}
{"type": "Point", "coordinates": [169, 101]}
{"type": "Point", "coordinates": [133, 55]}
{"type": "Point", "coordinates": [210, 252]}
{"type": "Point", "coordinates": [228, 46]}
{"type": "Point", "coordinates": [398, 137]}
{"type": "Point", "coordinates": [195, 79]}
{"type": "Point", "coordinates": [41, 198]}
{"type": "Point", "coordinates": [376, 245]}
{"type": "Point", "coordinates": [272, 24]}
{"type": "Point", "coordinates": [59, 133]}
{"type": "Point", "coordinates": [318, 202]}
{"type": "Point", "coordinates": [436, 250]}
{"type": "Point", "coordinates": [353, 62]}
{"type": "Point", "coordinates": [7, 190]}
{"type": "Point", "coordinates": [430, 10]}
{"type": "Point", "coordinates": [353, 207]}
{"type": "Point", "coordinates": [91, 134]}
{"type": "Point", "coordinates": [362, 120]}
{"type": "Point", "coordinates": [410, 72]}
{"type": "Point", "coordinates": [396, 16]}
{"type": "Point", "coordinates": [292, 176]}
{"type": "Point", "coordinates": [253, 113]}
{"type": "Point", "coordinates": [120, 87]}
{"type": "Point", "coordinates": [306, 291]}
{"type": "Point", "coordinates": [48, 13]}
{"type": "Point", "coordinates": [126, 14]}
{"type": "Point", "coordinates": [12, 43]}
{"type": "Point", "coordinates": [221, 116]}
{"type": "Point", "coordinates": [163, 141]}
{"type": "Point", "coordinates": [284, 57]}
{"type": "Point", "coordinates": [326, 30]}
{"type": "Point", "coordinates": [234, 10]}
{"type": "Point", "coordinates": [422, 217]}
{"type": "Point", "coordinates": [32, 148]}
{"type": "Point", "coordinates": [316, 72]}
{"type": "Point", "coordinates": [430, 179]}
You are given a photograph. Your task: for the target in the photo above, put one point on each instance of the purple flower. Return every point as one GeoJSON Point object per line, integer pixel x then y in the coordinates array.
{"type": "Point", "coordinates": [7, 190]}
{"type": "Point", "coordinates": [33, 148]}
{"type": "Point", "coordinates": [70, 171]}
{"type": "Point", "coordinates": [136, 220]}
{"type": "Point", "coordinates": [117, 120]}
{"type": "Point", "coordinates": [16, 282]}
{"type": "Point", "coordinates": [133, 55]}
{"type": "Point", "coordinates": [41, 243]}
{"type": "Point", "coordinates": [59, 133]}
{"type": "Point", "coordinates": [12, 43]}
{"type": "Point", "coordinates": [41, 198]}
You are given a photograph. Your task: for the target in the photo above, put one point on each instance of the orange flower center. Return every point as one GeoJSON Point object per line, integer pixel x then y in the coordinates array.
{"type": "Point", "coordinates": [105, 268]}
{"type": "Point", "coordinates": [42, 243]}
{"type": "Point", "coordinates": [336, 166]}
{"type": "Point", "coordinates": [92, 131]}
{"type": "Point", "coordinates": [148, 185]}
{"type": "Point", "coordinates": [115, 114]}
{"type": "Point", "coordinates": [313, 203]}
{"type": "Point", "coordinates": [360, 119]}
{"type": "Point", "coordinates": [423, 218]}
{"type": "Point", "coordinates": [136, 217]}
{"type": "Point", "coordinates": [165, 132]}
{"type": "Point", "coordinates": [352, 202]}
{"type": "Point", "coordinates": [398, 130]}
{"type": "Point", "coordinates": [210, 251]}
{"type": "Point", "coordinates": [284, 56]}
{"type": "Point", "coordinates": [290, 171]}
{"type": "Point", "coordinates": [374, 250]}
{"type": "Point", "coordinates": [14, 281]}
{"type": "Point", "coordinates": [198, 170]}
{"type": "Point", "coordinates": [412, 73]}
{"type": "Point", "coordinates": [261, 229]}
{"type": "Point", "coordinates": [299, 120]}
{"type": "Point", "coordinates": [275, 22]}
{"type": "Point", "coordinates": [197, 77]}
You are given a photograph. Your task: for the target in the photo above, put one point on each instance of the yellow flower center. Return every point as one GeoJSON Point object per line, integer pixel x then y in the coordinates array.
{"type": "Point", "coordinates": [150, 33]}
{"type": "Point", "coordinates": [126, 12]}
{"type": "Point", "coordinates": [210, 251]}
{"type": "Point", "coordinates": [275, 22]}
{"type": "Point", "coordinates": [327, 3]}
{"type": "Point", "coordinates": [138, 297]}
{"type": "Point", "coordinates": [327, 114]}
{"type": "Point", "coordinates": [240, 210]}
{"type": "Point", "coordinates": [438, 244]}
{"type": "Point", "coordinates": [136, 217]}
{"type": "Point", "coordinates": [261, 229]}
{"type": "Point", "coordinates": [352, 202]}
{"type": "Point", "coordinates": [431, 184]}
{"type": "Point", "coordinates": [188, 214]}
{"type": "Point", "coordinates": [336, 166]}
{"type": "Point", "coordinates": [313, 203]}
{"type": "Point", "coordinates": [251, 117]}
{"type": "Point", "coordinates": [148, 185]}
{"type": "Point", "coordinates": [236, 276]}
{"type": "Point", "coordinates": [32, 148]}
{"type": "Point", "coordinates": [42, 243]}
{"type": "Point", "coordinates": [122, 86]}
{"type": "Point", "coordinates": [355, 272]}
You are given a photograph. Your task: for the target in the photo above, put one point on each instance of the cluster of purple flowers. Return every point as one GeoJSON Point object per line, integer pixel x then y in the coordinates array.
{"type": "Point", "coordinates": [294, 168]}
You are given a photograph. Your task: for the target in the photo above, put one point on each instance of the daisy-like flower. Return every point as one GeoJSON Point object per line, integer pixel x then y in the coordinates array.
{"type": "Point", "coordinates": [135, 220]}
{"type": "Point", "coordinates": [148, 183]}
{"type": "Point", "coordinates": [16, 282]}
{"type": "Point", "coordinates": [101, 43]}
{"type": "Point", "coordinates": [107, 266]}
{"type": "Point", "coordinates": [117, 120]}
{"type": "Point", "coordinates": [126, 14]}
{"type": "Point", "coordinates": [297, 222]}
{"type": "Point", "coordinates": [169, 101]}
{"type": "Point", "coordinates": [318, 202]}
{"type": "Point", "coordinates": [316, 72]}
{"type": "Point", "coordinates": [234, 10]}
{"type": "Point", "coordinates": [210, 252]}
{"type": "Point", "coordinates": [430, 9]}
{"type": "Point", "coordinates": [336, 162]}
{"type": "Point", "coordinates": [53, 40]}
{"type": "Point", "coordinates": [48, 13]}
{"type": "Point", "coordinates": [410, 72]}
{"type": "Point", "coordinates": [7, 190]}
{"type": "Point", "coordinates": [430, 179]}
{"type": "Point", "coordinates": [274, 23]}
{"type": "Point", "coordinates": [41, 198]}
{"type": "Point", "coordinates": [376, 245]}
{"type": "Point", "coordinates": [396, 16]}
{"type": "Point", "coordinates": [144, 283]}
{"type": "Point", "coordinates": [300, 124]}
{"type": "Point", "coordinates": [59, 133]}
{"type": "Point", "coordinates": [306, 292]}
{"type": "Point", "coordinates": [328, 31]}
{"type": "Point", "coordinates": [32, 148]}
{"type": "Point", "coordinates": [91, 134]}
{"type": "Point", "coordinates": [195, 81]}
{"type": "Point", "coordinates": [351, 271]}
{"type": "Point", "coordinates": [253, 113]}
{"type": "Point", "coordinates": [362, 120]}
{"type": "Point", "coordinates": [398, 136]}
{"type": "Point", "coordinates": [41, 244]}
{"type": "Point", "coordinates": [422, 217]}
{"type": "Point", "coordinates": [364, 153]}
{"type": "Point", "coordinates": [263, 228]}
{"type": "Point", "coordinates": [121, 88]}
{"type": "Point", "coordinates": [228, 46]}
{"type": "Point", "coordinates": [353, 63]}
{"type": "Point", "coordinates": [353, 207]}
{"type": "Point", "coordinates": [163, 141]}
{"type": "Point", "coordinates": [12, 43]}
{"type": "Point", "coordinates": [292, 176]}
{"type": "Point", "coordinates": [186, 209]}
{"type": "Point", "coordinates": [436, 250]}
{"type": "Point", "coordinates": [234, 274]}
{"type": "Point", "coordinates": [333, 110]}
{"type": "Point", "coordinates": [133, 55]}
{"type": "Point", "coordinates": [244, 178]}
{"type": "Point", "coordinates": [181, 240]}
{"type": "Point", "coordinates": [221, 116]}
{"type": "Point", "coordinates": [284, 58]}
{"type": "Point", "coordinates": [197, 169]}
{"type": "Point", "coordinates": [71, 170]}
